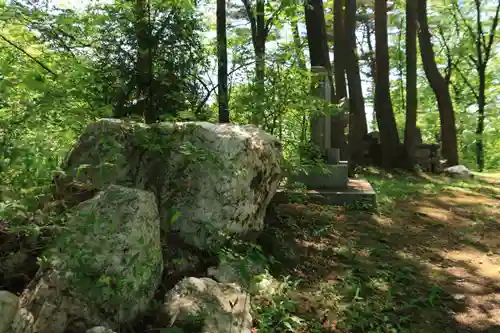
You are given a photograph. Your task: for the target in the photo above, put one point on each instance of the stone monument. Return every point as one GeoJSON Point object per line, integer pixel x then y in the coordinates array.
{"type": "Point", "coordinates": [334, 174]}
{"type": "Point", "coordinates": [329, 183]}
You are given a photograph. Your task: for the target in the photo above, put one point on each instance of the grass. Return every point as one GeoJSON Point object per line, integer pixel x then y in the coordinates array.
{"type": "Point", "coordinates": [429, 262]}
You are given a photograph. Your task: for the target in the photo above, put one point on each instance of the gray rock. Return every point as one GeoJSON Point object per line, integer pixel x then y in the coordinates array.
{"type": "Point", "coordinates": [458, 172]}
{"type": "Point", "coordinates": [240, 270]}
{"type": "Point", "coordinates": [109, 263]}
{"type": "Point", "coordinates": [208, 178]}
{"type": "Point", "coordinates": [8, 307]}
{"type": "Point", "coordinates": [99, 329]}
{"type": "Point", "coordinates": [216, 307]}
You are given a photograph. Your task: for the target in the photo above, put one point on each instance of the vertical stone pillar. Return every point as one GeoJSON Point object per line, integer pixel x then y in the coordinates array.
{"type": "Point", "coordinates": [321, 123]}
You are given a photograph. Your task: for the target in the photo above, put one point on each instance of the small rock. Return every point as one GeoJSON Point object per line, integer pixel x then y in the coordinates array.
{"type": "Point", "coordinates": [215, 307]}
{"type": "Point", "coordinates": [246, 273]}
{"type": "Point", "coordinates": [99, 329]}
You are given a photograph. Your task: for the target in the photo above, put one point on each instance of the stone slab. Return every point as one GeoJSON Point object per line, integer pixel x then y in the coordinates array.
{"type": "Point", "coordinates": [336, 176]}
{"type": "Point", "coordinates": [359, 194]}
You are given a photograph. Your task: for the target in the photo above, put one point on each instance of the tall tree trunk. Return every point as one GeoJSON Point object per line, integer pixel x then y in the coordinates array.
{"type": "Point", "coordinates": [371, 57]}
{"type": "Point", "coordinates": [302, 65]}
{"type": "Point", "coordinates": [483, 52]}
{"type": "Point", "coordinates": [481, 104]}
{"type": "Point", "coordinates": [389, 137]}
{"type": "Point", "coordinates": [316, 36]}
{"type": "Point", "coordinates": [260, 30]}
{"type": "Point", "coordinates": [339, 46]}
{"type": "Point", "coordinates": [338, 122]}
{"type": "Point", "coordinates": [440, 88]}
{"type": "Point", "coordinates": [357, 116]}
{"type": "Point", "coordinates": [144, 62]}
{"type": "Point", "coordinates": [222, 62]}
{"type": "Point", "coordinates": [260, 64]}
{"type": "Point", "coordinates": [298, 44]}
{"type": "Point", "coordinates": [411, 80]}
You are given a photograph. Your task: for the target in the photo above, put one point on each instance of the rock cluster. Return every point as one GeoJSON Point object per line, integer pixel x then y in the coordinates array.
{"type": "Point", "coordinates": [157, 196]}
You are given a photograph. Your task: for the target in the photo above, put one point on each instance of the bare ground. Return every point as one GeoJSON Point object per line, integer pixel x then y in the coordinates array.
{"type": "Point", "coordinates": [429, 263]}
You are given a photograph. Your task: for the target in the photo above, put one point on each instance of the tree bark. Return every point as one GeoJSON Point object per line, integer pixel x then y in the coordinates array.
{"type": "Point", "coordinates": [440, 88]}
{"type": "Point", "coordinates": [260, 30]}
{"type": "Point", "coordinates": [411, 81]}
{"type": "Point", "coordinates": [222, 96]}
{"type": "Point", "coordinates": [389, 137]}
{"type": "Point", "coordinates": [338, 122]}
{"type": "Point", "coordinates": [144, 62]}
{"type": "Point", "coordinates": [316, 36]}
{"type": "Point", "coordinates": [357, 117]}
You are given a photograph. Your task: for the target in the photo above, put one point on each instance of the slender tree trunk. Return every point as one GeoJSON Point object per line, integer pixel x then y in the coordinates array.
{"type": "Point", "coordinates": [222, 62]}
{"type": "Point", "coordinates": [389, 137]}
{"type": "Point", "coordinates": [302, 65]}
{"type": "Point", "coordinates": [259, 36]}
{"type": "Point", "coordinates": [357, 118]}
{"type": "Point", "coordinates": [371, 52]}
{"type": "Point", "coordinates": [339, 58]}
{"type": "Point", "coordinates": [411, 80]}
{"type": "Point", "coordinates": [338, 122]}
{"type": "Point", "coordinates": [481, 104]}
{"type": "Point", "coordinates": [260, 61]}
{"type": "Point", "coordinates": [143, 62]}
{"type": "Point", "coordinates": [440, 88]}
{"type": "Point", "coordinates": [298, 44]}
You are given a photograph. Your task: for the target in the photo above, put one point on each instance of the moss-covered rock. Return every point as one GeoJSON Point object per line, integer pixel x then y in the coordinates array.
{"type": "Point", "coordinates": [208, 178]}
{"type": "Point", "coordinates": [103, 269]}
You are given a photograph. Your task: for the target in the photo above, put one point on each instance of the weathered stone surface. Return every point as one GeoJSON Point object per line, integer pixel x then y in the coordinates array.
{"type": "Point", "coordinates": [333, 176]}
{"type": "Point", "coordinates": [47, 307]}
{"type": "Point", "coordinates": [103, 271]}
{"type": "Point", "coordinates": [211, 177]}
{"type": "Point", "coordinates": [254, 277]}
{"type": "Point", "coordinates": [100, 329]}
{"type": "Point", "coordinates": [217, 307]}
{"type": "Point", "coordinates": [459, 172]}
{"type": "Point", "coordinates": [8, 308]}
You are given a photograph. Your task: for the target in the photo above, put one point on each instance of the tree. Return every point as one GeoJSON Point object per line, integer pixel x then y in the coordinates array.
{"type": "Point", "coordinates": [144, 62]}
{"type": "Point", "coordinates": [357, 118]}
{"type": "Point", "coordinates": [338, 124]}
{"type": "Point", "coordinates": [222, 62]}
{"type": "Point", "coordinates": [316, 35]}
{"type": "Point", "coordinates": [440, 88]}
{"type": "Point", "coordinates": [483, 43]}
{"type": "Point", "coordinates": [260, 28]}
{"type": "Point", "coordinates": [411, 80]}
{"type": "Point", "coordinates": [389, 137]}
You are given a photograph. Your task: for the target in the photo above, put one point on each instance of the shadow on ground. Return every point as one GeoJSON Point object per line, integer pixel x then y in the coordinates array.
{"type": "Point", "coordinates": [430, 264]}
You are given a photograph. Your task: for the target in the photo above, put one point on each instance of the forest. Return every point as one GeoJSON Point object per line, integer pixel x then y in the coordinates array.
{"type": "Point", "coordinates": [402, 72]}
{"type": "Point", "coordinates": [435, 64]}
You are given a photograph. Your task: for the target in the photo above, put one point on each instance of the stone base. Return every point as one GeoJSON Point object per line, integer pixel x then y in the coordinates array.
{"type": "Point", "coordinates": [335, 176]}
{"type": "Point", "coordinates": [358, 194]}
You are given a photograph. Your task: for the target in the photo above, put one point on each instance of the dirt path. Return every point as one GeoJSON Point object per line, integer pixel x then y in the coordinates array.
{"type": "Point", "coordinates": [465, 232]}
{"type": "Point", "coordinates": [430, 265]}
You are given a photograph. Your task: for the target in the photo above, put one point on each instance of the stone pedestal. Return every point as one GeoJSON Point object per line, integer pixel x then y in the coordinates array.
{"type": "Point", "coordinates": [330, 176]}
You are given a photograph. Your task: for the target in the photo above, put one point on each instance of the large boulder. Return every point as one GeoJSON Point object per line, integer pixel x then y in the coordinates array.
{"type": "Point", "coordinates": [104, 270]}
{"type": "Point", "coordinates": [206, 306]}
{"type": "Point", "coordinates": [209, 179]}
